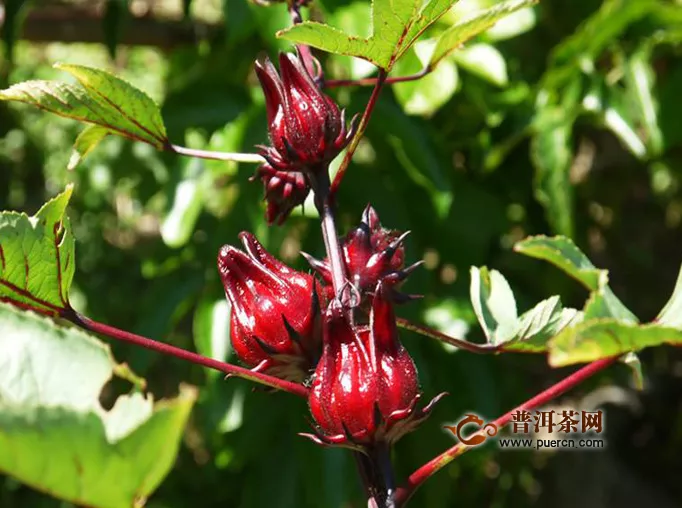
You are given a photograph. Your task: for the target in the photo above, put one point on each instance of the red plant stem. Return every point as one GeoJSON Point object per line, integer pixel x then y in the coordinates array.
{"type": "Point", "coordinates": [161, 347]}
{"type": "Point", "coordinates": [320, 185]}
{"type": "Point", "coordinates": [336, 83]}
{"type": "Point", "coordinates": [303, 50]}
{"type": "Point", "coordinates": [459, 343]}
{"type": "Point", "coordinates": [381, 78]}
{"type": "Point", "coordinates": [427, 470]}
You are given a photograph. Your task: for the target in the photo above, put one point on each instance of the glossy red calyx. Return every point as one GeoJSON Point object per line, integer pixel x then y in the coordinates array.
{"type": "Point", "coordinates": [307, 129]}
{"type": "Point", "coordinates": [365, 388]}
{"type": "Point", "coordinates": [372, 254]}
{"type": "Point", "coordinates": [275, 322]}
{"type": "Point", "coordinates": [284, 191]}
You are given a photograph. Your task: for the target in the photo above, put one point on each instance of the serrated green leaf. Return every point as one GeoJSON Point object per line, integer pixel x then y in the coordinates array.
{"type": "Point", "coordinates": [671, 314]}
{"type": "Point", "coordinates": [86, 141]}
{"type": "Point", "coordinates": [467, 28]}
{"type": "Point", "coordinates": [603, 338]}
{"type": "Point", "coordinates": [37, 257]}
{"type": "Point", "coordinates": [54, 434]}
{"type": "Point", "coordinates": [565, 255]}
{"type": "Point", "coordinates": [540, 324]}
{"type": "Point", "coordinates": [396, 25]}
{"type": "Point", "coordinates": [494, 304]}
{"type": "Point", "coordinates": [101, 99]}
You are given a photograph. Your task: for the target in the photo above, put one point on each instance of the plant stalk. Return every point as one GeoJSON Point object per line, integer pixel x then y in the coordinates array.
{"type": "Point", "coordinates": [253, 158]}
{"type": "Point", "coordinates": [163, 348]}
{"type": "Point", "coordinates": [337, 83]}
{"type": "Point", "coordinates": [364, 121]}
{"type": "Point", "coordinates": [416, 479]}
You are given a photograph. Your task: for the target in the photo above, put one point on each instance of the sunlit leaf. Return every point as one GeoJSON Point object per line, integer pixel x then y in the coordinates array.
{"type": "Point", "coordinates": [565, 255]}
{"type": "Point", "coordinates": [671, 314]}
{"type": "Point", "coordinates": [467, 28]}
{"type": "Point", "coordinates": [54, 434]}
{"type": "Point", "coordinates": [483, 60]}
{"type": "Point", "coordinates": [426, 95]}
{"type": "Point", "coordinates": [396, 25]}
{"type": "Point", "coordinates": [100, 98]}
{"type": "Point", "coordinates": [37, 257]}
{"type": "Point", "coordinates": [540, 324]}
{"type": "Point", "coordinates": [86, 141]}
{"type": "Point", "coordinates": [602, 338]}
{"type": "Point", "coordinates": [494, 304]}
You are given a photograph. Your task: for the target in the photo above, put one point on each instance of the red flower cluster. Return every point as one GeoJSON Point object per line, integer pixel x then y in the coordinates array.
{"type": "Point", "coordinates": [365, 387]}
{"type": "Point", "coordinates": [306, 129]}
{"type": "Point", "coordinates": [372, 254]}
{"type": "Point", "coordinates": [275, 324]}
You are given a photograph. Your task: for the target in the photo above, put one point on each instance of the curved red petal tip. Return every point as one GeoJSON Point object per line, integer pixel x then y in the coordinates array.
{"type": "Point", "coordinates": [295, 76]}
{"type": "Point", "coordinates": [271, 85]}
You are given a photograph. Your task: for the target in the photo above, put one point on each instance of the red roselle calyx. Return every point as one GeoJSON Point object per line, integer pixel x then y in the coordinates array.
{"type": "Point", "coordinates": [284, 191]}
{"type": "Point", "coordinates": [275, 323]}
{"type": "Point", "coordinates": [372, 254]}
{"type": "Point", "coordinates": [365, 389]}
{"type": "Point", "coordinates": [307, 129]}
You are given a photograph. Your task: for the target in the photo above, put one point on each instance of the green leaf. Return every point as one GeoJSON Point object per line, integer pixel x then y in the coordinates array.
{"type": "Point", "coordinates": [485, 61]}
{"type": "Point", "coordinates": [86, 141]}
{"type": "Point", "coordinates": [565, 255]}
{"type": "Point", "coordinates": [100, 98]}
{"type": "Point", "coordinates": [54, 434]}
{"type": "Point", "coordinates": [633, 361]}
{"type": "Point", "coordinates": [603, 338]}
{"type": "Point", "coordinates": [540, 324]}
{"type": "Point", "coordinates": [640, 78]}
{"type": "Point", "coordinates": [211, 329]}
{"type": "Point", "coordinates": [37, 257]}
{"type": "Point", "coordinates": [671, 314]}
{"type": "Point", "coordinates": [472, 25]}
{"type": "Point", "coordinates": [494, 304]}
{"type": "Point", "coordinates": [425, 96]}
{"type": "Point", "coordinates": [396, 25]}
{"type": "Point", "coordinates": [552, 155]}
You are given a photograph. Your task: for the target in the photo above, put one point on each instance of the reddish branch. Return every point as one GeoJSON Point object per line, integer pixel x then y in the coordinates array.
{"type": "Point", "coordinates": [422, 474]}
{"type": "Point", "coordinates": [167, 349]}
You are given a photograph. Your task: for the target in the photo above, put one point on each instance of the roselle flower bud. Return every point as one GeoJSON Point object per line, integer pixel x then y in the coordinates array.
{"type": "Point", "coordinates": [284, 191]}
{"type": "Point", "coordinates": [365, 389]}
{"type": "Point", "coordinates": [275, 322]}
{"type": "Point", "coordinates": [306, 128]}
{"type": "Point", "coordinates": [372, 254]}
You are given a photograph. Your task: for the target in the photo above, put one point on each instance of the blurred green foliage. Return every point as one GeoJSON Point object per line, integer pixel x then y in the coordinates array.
{"type": "Point", "coordinates": [563, 118]}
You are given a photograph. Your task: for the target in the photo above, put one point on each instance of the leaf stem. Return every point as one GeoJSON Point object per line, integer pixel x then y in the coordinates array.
{"type": "Point", "coordinates": [218, 156]}
{"type": "Point", "coordinates": [336, 83]}
{"type": "Point", "coordinates": [422, 474]}
{"type": "Point", "coordinates": [161, 347]}
{"type": "Point", "coordinates": [459, 343]}
{"type": "Point", "coordinates": [381, 78]}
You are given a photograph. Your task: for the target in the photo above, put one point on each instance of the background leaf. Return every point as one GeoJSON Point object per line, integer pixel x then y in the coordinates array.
{"type": "Point", "coordinates": [54, 434]}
